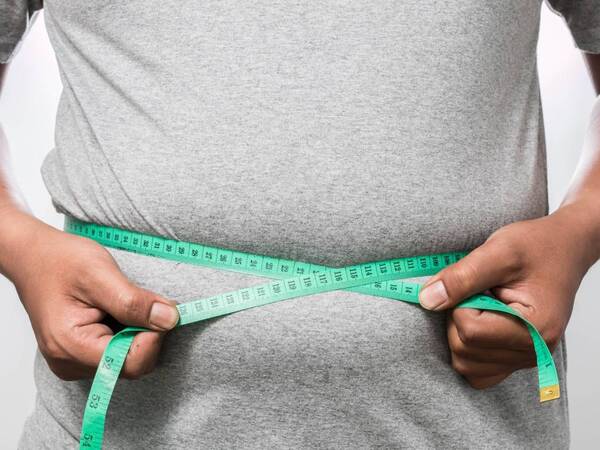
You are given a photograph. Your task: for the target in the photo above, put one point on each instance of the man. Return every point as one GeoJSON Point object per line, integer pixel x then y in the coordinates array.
{"type": "Point", "coordinates": [327, 132]}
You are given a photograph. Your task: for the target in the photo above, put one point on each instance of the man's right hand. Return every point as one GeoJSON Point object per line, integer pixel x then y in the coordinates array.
{"type": "Point", "coordinates": [68, 284]}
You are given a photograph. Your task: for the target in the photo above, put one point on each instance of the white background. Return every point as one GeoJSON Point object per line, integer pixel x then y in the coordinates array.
{"type": "Point", "coordinates": [27, 111]}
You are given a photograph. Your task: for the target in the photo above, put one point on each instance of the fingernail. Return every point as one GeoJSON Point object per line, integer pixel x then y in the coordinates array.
{"type": "Point", "coordinates": [433, 295]}
{"type": "Point", "coordinates": [163, 316]}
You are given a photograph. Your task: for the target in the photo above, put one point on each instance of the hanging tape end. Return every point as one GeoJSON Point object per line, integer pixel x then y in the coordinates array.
{"type": "Point", "coordinates": [549, 393]}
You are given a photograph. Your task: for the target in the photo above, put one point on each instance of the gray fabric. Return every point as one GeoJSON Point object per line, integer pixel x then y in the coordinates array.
{"type": "Point", "coordinates": [339, 370]}
{"type": "Point", "coordinates": [330, 132]}
{"type": "Point", "coordinates": [15, 18]}
{"type": "Point", "coordinates": [583, 18]}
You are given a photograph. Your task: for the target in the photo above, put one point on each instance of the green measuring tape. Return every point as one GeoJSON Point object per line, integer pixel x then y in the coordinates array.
{"type": "Point", "coordinates": [292, 279]}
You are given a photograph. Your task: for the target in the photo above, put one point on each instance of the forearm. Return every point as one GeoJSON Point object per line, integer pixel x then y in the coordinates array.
{"type": "Point", "coordinates": [3, 69]}
{"type": "Point", "coordinates": [17, 225]}
{"type": "Point", "coordinates": [581, 204]}
{"type": "Point", "coordinates": [10, 195]}
{"type": "Point", "coordinates": [593, 64]}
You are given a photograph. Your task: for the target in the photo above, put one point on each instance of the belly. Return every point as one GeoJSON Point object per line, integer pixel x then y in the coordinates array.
{"type": "Point", "coordinates": [335, 370]}
{"type": "Point", "coordinates": [273, 376]}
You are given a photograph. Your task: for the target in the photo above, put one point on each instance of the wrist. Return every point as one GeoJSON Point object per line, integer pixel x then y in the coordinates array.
{"type": "Point", "coordinates": [19, 232]}
{"type": "Point", "coordinates": [581, 222]}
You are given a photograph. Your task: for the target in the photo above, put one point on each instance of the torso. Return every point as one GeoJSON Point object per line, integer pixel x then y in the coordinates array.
{"type": "Point", "coordinates": [333, 132]}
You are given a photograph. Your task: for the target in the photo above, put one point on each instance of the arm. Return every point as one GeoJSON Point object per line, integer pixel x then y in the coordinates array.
{"type": "Point", "coordinates": [593, 64]}
{"type": "Point", "coordinates": [3, 68]}
{"type": "Point", "coordinates": [68, 285]}
{"type": "Point", "coordinates": [534, 266]}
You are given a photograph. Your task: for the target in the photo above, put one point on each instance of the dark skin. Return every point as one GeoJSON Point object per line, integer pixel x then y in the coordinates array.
{"type": "Point", "coordinates": [593, 64]}
{"type": "Point", "coordinates": [523, 264]}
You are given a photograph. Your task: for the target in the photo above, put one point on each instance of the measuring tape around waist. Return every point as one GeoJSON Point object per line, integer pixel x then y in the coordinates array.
{"type": "Point", "coordinates": [292, 279]}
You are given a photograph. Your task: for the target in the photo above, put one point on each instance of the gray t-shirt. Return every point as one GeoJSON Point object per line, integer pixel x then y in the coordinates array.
{"type": "Point", "coordinates": [333, 132]}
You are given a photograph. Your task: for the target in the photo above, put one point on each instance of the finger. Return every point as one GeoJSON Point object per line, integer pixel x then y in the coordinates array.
{"type": "Point", "coordinates": [143, 354]}
{"type": "Point", "coordinates": [487, 266]}
{"type": "Point", "coordinates": [487, 355]}
{"type": "Point", "coordinates": [490, 329]}
{"type": "Point", "coordinates": [88, 344]}
{"type": "Point", "coordinates": [469, 368]}
{"type": "Point", "coordinates": [519, 299]}
{"type": "Point", "coordinates": [132, 305]}
{"type": "Point", "coordinates": [79, 352]}
{"type": "Point", "coordinates": [69, 371]}
{"type": "Point", "coordinates": [486, 382]}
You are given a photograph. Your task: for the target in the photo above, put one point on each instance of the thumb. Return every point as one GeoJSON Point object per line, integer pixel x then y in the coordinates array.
{"type": "Point", "coordinates": [486, 267]}
{"type": "Point", "coordinates": [135, 306]}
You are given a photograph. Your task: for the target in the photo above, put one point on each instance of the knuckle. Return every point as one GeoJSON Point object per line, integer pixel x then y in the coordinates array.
{"type": "Point", "coordinates": [129, 303]}
{"type": "Point", "coordinates": [460, 366]}
{"type": "Point", "coordinates": [460, 316]}
{"type": "Point", "coordinates": [507, 250]}
{"type": "Point", "coordinates": [511, 257]}
{"type": "Point", "coordinates": [86, 276]}
{"type": "Point", "coordinates": [468, 332]}
{"type": "Point", "coordinates": [459, 349]}
{"type": "Point", "coordinates": [89, 277]}
{"type": "Point", "coordinates": [463, 275]}
{"type": "Point", "coordinates": [51, 349]}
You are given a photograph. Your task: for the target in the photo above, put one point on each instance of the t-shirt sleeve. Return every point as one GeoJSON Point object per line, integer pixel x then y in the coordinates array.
{"type": "Point", "coordinates": [15, 18]}
{"type": "Point", "coordinates": [583, 19]}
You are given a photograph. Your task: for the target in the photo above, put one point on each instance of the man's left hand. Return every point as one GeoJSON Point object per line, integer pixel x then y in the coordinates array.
{"type": "Point", "coordinates": [533, 266]}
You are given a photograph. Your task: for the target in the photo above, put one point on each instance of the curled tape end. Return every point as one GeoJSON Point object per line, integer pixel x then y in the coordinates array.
{"type": "Point", "coordinates": [549, 393]}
